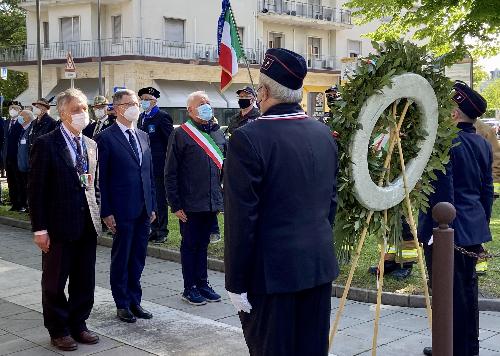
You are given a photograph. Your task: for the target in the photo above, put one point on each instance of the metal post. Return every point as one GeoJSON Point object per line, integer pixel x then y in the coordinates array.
{"type": "Point", "coordinates": [38, 49]}
{"type": "Point", "coordinates": [99, 44]}
{"type": "Point", "coordinates": [442, 280]}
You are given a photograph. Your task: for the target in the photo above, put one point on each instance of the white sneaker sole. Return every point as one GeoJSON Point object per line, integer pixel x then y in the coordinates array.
{"type": "Point", "coordinates": [192, 303]}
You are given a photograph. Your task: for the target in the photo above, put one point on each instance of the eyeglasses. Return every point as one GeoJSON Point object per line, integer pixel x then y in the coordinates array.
{"type": "Point", "coordinates": [128, 105]}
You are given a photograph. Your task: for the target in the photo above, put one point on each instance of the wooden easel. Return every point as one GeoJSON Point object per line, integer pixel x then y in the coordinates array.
{"type": "Point", "coordinates": [394, 140]}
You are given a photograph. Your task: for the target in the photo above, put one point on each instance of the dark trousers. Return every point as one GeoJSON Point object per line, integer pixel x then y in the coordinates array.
{"type": "Point", "coordinates": [289, 323]}
{"type": "Point", "coordinates": [465, 302]}
{"type": "Point", "coordinates": [194, 246]}
{"type": "Point", "coordinates": [159, 227]}
{"type": "Point", "coordinates": [128, 257]}
{"type": "Point", "coordinates": [14, 183]}
{"type": "Point", "coordinates": [23, 189]}
{"type": "Point", "coordinates": [74, 260]}
{"type": "Point", "coordinates": [215, 226]}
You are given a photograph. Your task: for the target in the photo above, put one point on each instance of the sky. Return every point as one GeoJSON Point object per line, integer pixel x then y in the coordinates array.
{"type": "Point", "coordinates": [490, 64]}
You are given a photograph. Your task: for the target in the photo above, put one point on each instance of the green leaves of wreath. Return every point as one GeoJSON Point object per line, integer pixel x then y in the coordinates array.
{"type": "Point", "coordinates": [371, 75]}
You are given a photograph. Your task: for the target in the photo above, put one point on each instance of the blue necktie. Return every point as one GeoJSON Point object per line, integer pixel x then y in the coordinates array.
{"type": "Point", "coordinates": [80, 159]}
{"type": "Point", "coordinates": [133, 143]}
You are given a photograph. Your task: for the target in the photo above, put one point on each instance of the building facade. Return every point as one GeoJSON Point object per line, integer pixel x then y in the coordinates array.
{"type": "Point", "coordinates": [172, 45]}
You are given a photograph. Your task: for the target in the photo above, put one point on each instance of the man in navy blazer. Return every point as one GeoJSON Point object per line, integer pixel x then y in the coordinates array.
{"type": "Point", "coordinates": [128, 202]}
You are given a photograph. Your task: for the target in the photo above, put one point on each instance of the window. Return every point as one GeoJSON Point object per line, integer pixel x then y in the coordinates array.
{"type": "Point", "coordinates": [314, 47]}
{"type": "Point", "coordinates": [276, 40]}
{"type": "Point", "coordinates": [240, 33]}
{"type": "Point", "coordinates": [45, 26]}
{"type": "Point", "coordinates": [353, 48]}
{"type": "Point", "coordinates": [70, 29]}
{"type": "Point", "coordinates": [174, 32]}
{"type": "Point", "coordinates": [116, 30]}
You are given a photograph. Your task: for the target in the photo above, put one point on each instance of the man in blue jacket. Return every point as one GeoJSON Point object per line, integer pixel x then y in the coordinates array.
{"type": "Point", "coordinates": [128, 202]}
{"type": "Point", "coordinates": [468, 185]}
{"type": "Point", "coordinates": [158, 125]}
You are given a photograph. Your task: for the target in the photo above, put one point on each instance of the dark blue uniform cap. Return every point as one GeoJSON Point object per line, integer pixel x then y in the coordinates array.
{"type": "Point", "coordinates": [248, 90]}
{"type": "Point", "coordinates": [285, 67]}
{"type": "Point", "coordinates": [149, 90]}
{"type": "Point", "coordinates": [469, 101]}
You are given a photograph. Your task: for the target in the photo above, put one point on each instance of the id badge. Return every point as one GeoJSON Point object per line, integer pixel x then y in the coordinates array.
{"type": "Point", "coordinates": [151, 129]}
{"type": "Point", "coordinates": [86, 180]}
{"type": "Point", "coordinates": [23, 141]}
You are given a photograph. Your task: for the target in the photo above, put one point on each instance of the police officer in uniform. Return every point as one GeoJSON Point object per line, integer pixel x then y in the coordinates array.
{"type": "Point", "coordinates": [104, 118]}
{"type": "Point", "coordinates": [159, 125]}
{"type": "Point", "coordinates": [280, 195]}
{"type": "Point", "coordinates": [468, 184]}
{"type": "Point", "coordinates": [248, 111]}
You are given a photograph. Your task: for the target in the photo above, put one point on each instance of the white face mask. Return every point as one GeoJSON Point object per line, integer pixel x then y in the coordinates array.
{"type": "Point", "coordinates": [13, 113]}
{"type": "Point", "coordinates": [132, 114]}
{"type": "Point", "coordinates": [36, 111]}
{"type": "Point", "coordinates": [80, 121]}
{"type": "Point", "coordinates": [100, 113]}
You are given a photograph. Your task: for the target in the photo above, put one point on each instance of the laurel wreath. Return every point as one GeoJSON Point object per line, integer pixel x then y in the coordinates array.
{"type": "Point", "coordinates": [372, 74]}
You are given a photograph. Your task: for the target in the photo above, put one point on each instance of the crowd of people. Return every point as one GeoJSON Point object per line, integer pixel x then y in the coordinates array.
{"type": "Point", "coordinates": [273, 174]}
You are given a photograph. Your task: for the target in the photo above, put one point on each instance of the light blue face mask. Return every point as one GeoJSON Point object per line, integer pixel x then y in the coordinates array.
{"type": "Point", "coordinates": [145, 104]}
{"type": "Point", "coordinates": [205, 112]}
{"type": "Point", "coordinates": [20, 119]}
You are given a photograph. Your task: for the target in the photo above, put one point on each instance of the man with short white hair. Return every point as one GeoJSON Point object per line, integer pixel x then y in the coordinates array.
{"type": "Point", "coordinates": [64, 213]}
{"type": "Point", "coordinates": [192, 180]}
{"type": "Point", "coordinates": [280, 194]}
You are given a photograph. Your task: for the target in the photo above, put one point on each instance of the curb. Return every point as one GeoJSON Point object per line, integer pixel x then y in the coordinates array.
{"type": "Point", "coordinates": [355, 294]}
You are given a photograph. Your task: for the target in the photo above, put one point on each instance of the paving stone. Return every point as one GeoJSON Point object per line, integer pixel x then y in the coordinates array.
{"type": "Point", "coordinates": [22, 321]}
{"type": "Point", "coordinates": [492, 343]}
{"type": "Point", "coordinates": [11, 343]}
{"type": "Point", "coordinates": [411, 345]}
{"type": "Point", "coordinates": [35, 351]}
{"type": "Point", "coordinates": [231, 320]}
{"type": "Point", "coordinates": [123, 351]}
{"type": "Point", "coordinates": [405, 322]}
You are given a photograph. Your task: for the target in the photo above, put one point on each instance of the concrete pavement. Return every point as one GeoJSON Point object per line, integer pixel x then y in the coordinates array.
{"type": "Point", "coordinates": [178, 328]}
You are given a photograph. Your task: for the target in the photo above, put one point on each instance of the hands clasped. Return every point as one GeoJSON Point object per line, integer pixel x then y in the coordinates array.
{"type": "Point", "coordinates": [240, 302]}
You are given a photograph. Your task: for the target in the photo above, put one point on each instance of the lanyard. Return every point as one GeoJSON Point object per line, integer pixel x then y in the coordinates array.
{"type": "Point", "coordinates": [75, 149]}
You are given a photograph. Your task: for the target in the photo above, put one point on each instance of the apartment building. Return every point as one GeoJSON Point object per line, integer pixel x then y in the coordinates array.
{"type": "Point", "coordinates": [172, 45]}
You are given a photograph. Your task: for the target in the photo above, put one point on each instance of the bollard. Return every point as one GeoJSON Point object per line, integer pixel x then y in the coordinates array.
{"type": "Point", "coordinates": [442, 280]}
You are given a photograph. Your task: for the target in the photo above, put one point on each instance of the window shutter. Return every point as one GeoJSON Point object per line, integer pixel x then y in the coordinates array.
{"type": "Point", "coordinates": [174, 31]}
{"type": "Point", "coordinates": [117, 29]}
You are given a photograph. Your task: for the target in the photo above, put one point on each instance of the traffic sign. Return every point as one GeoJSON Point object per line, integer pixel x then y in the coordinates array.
{"type": "Point", "coordinates": [3, 73]}
{"type": "Point", "coordinates": [70, 63]}
{"type": "Point", "coordinates": [115, 89]}
{"type": "Point", "coordinates": [69, 75]}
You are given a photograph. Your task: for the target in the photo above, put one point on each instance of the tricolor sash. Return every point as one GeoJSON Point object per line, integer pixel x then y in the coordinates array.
{"type": "Point", "coordinates": [205, 141]}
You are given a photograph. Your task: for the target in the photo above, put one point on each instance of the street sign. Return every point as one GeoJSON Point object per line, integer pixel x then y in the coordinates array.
{"type": "Point", "coordinates": [70, 63]}
{"type": "Point", "coordinates": [70, 75]}
{"type": "Point", "coordinates": [115, 89]}
{"type": "Point", "coordinates": [4, 73]}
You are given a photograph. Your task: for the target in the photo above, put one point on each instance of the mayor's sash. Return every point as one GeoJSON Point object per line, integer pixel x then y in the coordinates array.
{"type": "Point", "coordinates": [205, 141]}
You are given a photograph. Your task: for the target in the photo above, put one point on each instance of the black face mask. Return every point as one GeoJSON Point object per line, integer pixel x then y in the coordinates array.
{"type": "Point", "coordinates": [244, 103]}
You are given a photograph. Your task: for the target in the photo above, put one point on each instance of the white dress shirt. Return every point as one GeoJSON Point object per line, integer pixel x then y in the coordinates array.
{"type": "Point", "coordinates": [138, 145]}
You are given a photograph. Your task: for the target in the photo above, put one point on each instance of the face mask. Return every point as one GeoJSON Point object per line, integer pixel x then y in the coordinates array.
{"type": "Point", "coordinates": [132, 114]}
{"type": "Point", "coordinates": [244, 103]}
{"type": "Point", "coordinates": [145, 105]}
{"type": "Point", "coordinates": [80, 121]}
{"type": "Point", "coordinates": [205, 112]}
{"type": "Point", "coordinates": [36, 111]}
{"type": "Point", "coordinates": [20, 119]}
{"type": "Point", "coordinates": [13, 112]}
{"type": "Point", "coordinates": [100, 113]}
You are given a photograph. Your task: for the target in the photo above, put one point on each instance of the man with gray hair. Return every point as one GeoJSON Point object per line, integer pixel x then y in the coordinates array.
{"type": "Point", "coordinates": [280, 195]}
{"type": "Point", "coordinates": [64, 211]}
{"type": "Point", "coordinates": [192, 180]}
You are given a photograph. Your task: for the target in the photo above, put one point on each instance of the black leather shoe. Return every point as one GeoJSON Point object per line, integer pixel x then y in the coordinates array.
{"type": "Point", "coordinates": [139, 312]}
{"type": "Point", "coordinates": [427, 351]}
{"type": "Point", "coordinates": [126, 315]}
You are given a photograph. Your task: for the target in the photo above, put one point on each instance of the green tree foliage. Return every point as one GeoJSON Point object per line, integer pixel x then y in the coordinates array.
{"type": "Point", "coordinates": [446, 25]}
{"type": "Point", "coordinates": [12, 33]}
{"type": "Point", "coordinates": [480, 75]}
{"type": "Point", "coordinates": [492, 94]}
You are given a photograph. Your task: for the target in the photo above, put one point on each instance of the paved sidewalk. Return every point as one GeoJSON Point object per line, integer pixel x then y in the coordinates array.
{"type": "Point", "coordinates": [178, 328]}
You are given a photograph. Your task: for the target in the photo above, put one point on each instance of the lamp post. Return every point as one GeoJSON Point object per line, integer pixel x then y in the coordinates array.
{"type": "Point", "coordinates": [38, 49]}
{"type": "Point", "coordinates": [99, 44]}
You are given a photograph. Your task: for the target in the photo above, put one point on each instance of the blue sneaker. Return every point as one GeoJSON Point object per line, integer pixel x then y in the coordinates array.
{"type": "Point", "coordinates": [193, 296]}
{"type": "Point", "coordinates": [209, 294]}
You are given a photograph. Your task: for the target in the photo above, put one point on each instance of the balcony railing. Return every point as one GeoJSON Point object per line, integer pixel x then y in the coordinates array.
{"type": "Point", "coordinates": [148, 49]}
{"type": "Point", "coordinates": [305, 10]}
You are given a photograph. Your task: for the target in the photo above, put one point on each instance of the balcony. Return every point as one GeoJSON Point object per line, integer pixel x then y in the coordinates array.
{"type": "Point", "coordinates": [138, 49]}
{"type": "Point", "coordinates": [304, 14]}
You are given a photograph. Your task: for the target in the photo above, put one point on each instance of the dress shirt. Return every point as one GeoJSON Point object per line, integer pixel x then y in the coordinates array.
{"type": "Point", "coordinates": [124, 130]}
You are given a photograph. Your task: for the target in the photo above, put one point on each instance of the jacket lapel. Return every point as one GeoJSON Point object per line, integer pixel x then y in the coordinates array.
{"type": "Point", "coordinates": [65, 154]}
{"type": "Point", "coordinates": [120, 137]}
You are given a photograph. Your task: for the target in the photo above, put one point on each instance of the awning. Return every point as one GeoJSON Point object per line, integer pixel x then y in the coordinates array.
{"type": "Point", "coordinates": [89, 86]}
{"type": "Point", "coordinates": [231, 97]}
{"type": "Point", "coordinates": [174, 93]}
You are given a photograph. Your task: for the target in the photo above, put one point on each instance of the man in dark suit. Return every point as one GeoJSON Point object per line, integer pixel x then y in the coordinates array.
{"type": "Point", "coordinates": [64, 212]}
{"type": "Point", "coordinates": [12, 133]}
{"type": "Point", "coordinates": [159, 125]}
{"type": "Point", "coordinates": [103, 117]}
{"type": "Point", "coordinates": [128, 202]}
{"type": "Point", "coordinates": [44, 123]}
{"type": "Point", "coordinates": [280, 195]}
{"type": "Point", "coordinates": [468, 184]}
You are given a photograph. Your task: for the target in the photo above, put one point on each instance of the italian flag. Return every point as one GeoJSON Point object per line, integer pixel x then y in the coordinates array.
{"type": "Point", "coordinates": [230, 49]}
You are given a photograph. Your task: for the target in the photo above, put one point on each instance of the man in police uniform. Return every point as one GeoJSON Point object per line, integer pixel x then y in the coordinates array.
{"type": "Point", "coordinates": [248, 111]}
{"type": "Point", "coordinates": [280, 201]}
{"type": "Point", "coordinates": [468, 184]}
{"type": "Point", "coordinates": [102, 115]}
{"type": "Point", "coordinates": [159, 125]}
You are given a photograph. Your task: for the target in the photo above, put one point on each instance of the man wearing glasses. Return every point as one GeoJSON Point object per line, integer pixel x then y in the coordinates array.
{"type": "Point", "coordinates": [128, 202]}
